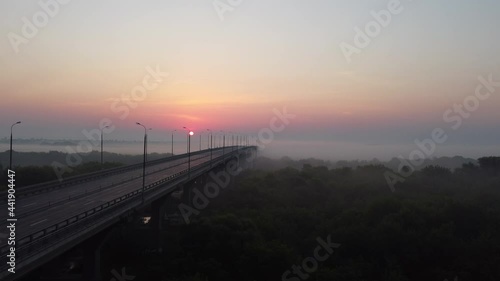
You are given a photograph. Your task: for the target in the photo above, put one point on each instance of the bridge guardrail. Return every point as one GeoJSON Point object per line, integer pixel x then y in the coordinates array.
{"type": "Point", "coordinates": [50, 203]}
{"type": "Point", "coordinates": [56, 184]}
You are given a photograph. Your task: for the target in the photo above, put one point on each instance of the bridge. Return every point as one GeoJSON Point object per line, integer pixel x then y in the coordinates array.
{"type": "Point", "coordinates": [56, 216]}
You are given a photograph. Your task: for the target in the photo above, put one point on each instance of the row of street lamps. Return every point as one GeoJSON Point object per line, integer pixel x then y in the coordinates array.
{"type": "Point", "coordinates": [190, 133]}
{"type": "Point", "coordinates": [239, 140]}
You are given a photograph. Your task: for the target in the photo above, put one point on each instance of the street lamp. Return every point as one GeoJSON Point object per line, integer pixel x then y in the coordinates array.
{"type": "Point", "coordinates": [187, 141]}
{"type": "Point", "coordinates": [10, 159]}
{"type": "Point", "coordinates": [208, 138]}
{"type": "Point", "coordinates": [173, 142]}
{"type": "Point", "coordinates": [209, 146]}
{"type": "Point", "coordinates": [200, 141]}
{"type": "Point", "coordinates": [232, 140]}
{"type": "Point", "coordinates": [223, 143]}
{"type": "Point", "coordinates": [190, 133]}
{"type": "Point", "coordinates": [144, 161]}
{"type": "Point", "coordinates": [150, 129]}
{"type": "Point", "coordinates": [102, 142]}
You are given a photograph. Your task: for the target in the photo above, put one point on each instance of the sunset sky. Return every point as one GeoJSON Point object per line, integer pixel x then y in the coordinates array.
{"type": "Point", "coordinates": [230, 73]}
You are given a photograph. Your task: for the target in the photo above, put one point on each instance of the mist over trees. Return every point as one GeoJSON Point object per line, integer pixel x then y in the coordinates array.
{"type": "Point", "coordinates": [439, 224]}
{"type": "Point", "coordinates": [451, 163]}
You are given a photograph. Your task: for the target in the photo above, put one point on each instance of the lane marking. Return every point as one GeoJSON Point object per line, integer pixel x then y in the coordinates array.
{"type": "Point", "coordinates": [29, 205]}
{"type": "Point", "coordinates": [33, 224]}
{"type": "Point", "coordinates": [88, 203]}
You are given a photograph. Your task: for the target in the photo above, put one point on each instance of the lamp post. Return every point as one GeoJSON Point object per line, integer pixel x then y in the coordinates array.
{"type": "Point", "coordinates": [208, 138]}
{"type": "Point", "coordinates": [173, 142]}
{"type": "Point", "coordinates": [102, 142]}
{"type": "Point", "coordinates": [144, 161]}
{"type": "Point", "coordinates": [209, 146]}
{"type": "Point", "coordinates": [187, 140]}
{"type": "Point", "coordinates": [147, 144]}
{"type": "Point", "coordinates": [232, 141]}
{"type": "Point", "coordinates": [223, 144]}
{"type": "Point", "coordinates": [190, 133]}
{"type": "Point", "coordinates": [10, 159]}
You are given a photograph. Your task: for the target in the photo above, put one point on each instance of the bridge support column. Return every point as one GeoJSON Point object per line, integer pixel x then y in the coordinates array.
{"type": "Point", "coordinates": [157, 212]}
{"type": "Point", "coordinates": [92, 255]}
{"type": "Point", "coordinates": [187, 194]}
{"type": "Point", "coordinates": [188, 197]}
{"type": "Point", "coordinates": [187, 189]}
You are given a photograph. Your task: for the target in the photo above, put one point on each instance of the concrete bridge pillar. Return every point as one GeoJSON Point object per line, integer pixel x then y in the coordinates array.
{"type": "Point", "coordinates": [92, 255]}
{"type": "Point", "coordinates": [187, 189]}
{"type": "Point", "coordinates": [187, 194]}
{"type": "Point", "coordinates": [156, 222]}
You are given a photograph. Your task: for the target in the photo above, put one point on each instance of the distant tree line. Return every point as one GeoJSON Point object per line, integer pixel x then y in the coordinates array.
{"type": "Point", "coordinates": [47, 158]}
{"type": "Point", "coordinates": [30, 175]}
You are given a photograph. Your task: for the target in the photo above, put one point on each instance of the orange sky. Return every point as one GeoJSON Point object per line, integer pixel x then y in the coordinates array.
{"type": "Point", "coordinates": [230, 74]}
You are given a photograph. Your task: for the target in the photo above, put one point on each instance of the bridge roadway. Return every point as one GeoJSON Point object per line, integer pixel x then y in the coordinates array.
{"type": "Point", "coordinates": [38, 212]}
{"type": "Point", "coordinates": [53, 198]}
{"type": "Point", "coordinates": [42, 210]}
